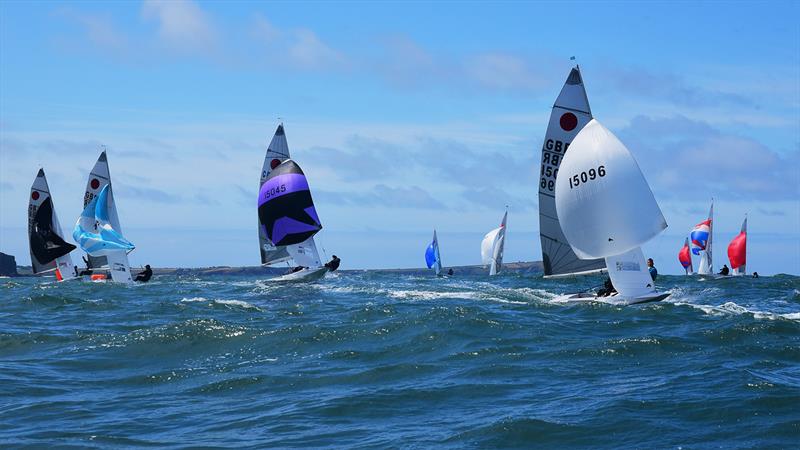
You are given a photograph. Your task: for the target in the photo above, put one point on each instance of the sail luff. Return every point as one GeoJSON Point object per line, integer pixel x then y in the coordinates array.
{"type": "Point", "coordinates": [569, 115]}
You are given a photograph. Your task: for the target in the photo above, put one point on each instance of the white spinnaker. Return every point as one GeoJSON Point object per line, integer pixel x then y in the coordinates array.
{"type": "Point", "coordinates": [42, 193]}
{"type": "Point", "coordinates": [277, 152]}
{"type": "Point", "coordinates": [604, 203]}
{"type": "Point", "coordinates": [492, 247]}
{"type": "Point", "coordinates": [570, 114]}
{"type": "Point", "coordinates": [305, 253]}
{"type": "Point", "coordinates": [629, 274]}
{"type": "Point", "coordinates": [487, 248]}
{"type": "Point", "coordinates": [706, 266]}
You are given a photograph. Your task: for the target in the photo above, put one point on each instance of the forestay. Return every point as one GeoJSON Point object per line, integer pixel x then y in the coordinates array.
{"type": "Point", "coordinates": [277, 152]}
{"type": "Point", "coordinates": [492, 247]}
{"type": "Point", "coordinates": [48, 248]}
{"type": "Point", "coordinates": [570, 114]}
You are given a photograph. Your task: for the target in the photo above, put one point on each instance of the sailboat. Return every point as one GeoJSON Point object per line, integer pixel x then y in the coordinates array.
{"type": "Point", "coordinates": [737, 251]}
{"type": "Point", "coordinates": [685, 257]}
{"type": "Point", "coordinates": [432, 257]}
{"type": "Point", "coordinates": [287, 218]}
{"type": "Point", "coordinates": [570, 114]}
{"type": "Point", "coordinates": [607, 210]}
{"type": "Point", "coordinates": [701, 236]}
{"type": "Point", "coordinates": [492, 247]}
{"type": "Point", "coordinates": [49, 250]}
{"type": "Point", "coordinates": [103, 212]}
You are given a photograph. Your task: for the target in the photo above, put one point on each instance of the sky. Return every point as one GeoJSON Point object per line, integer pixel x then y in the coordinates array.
{"type": "Point", "coordinates": [404, 116]}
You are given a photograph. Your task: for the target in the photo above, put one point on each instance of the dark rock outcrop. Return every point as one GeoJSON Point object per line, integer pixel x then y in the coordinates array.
{"type": "Point", "coordinates": [8, 265]}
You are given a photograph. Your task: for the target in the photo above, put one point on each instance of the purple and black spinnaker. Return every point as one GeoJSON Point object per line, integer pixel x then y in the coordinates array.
{"type": "Point", "coordinates": [285, 209]}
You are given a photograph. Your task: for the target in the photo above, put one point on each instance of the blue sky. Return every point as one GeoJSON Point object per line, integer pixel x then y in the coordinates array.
{"type": "Point", "coordinates": [404, 116]}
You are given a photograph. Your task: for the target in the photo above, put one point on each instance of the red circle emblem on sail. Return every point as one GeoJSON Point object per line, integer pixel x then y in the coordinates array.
{"type": "Point", "coordinates": [274, 163]}
{"type": "Point", "coordinates": [95, 183]}
{"type": "Point", "coordinates": [568, 121]}
{"type": "Point", "coordinates": [35, 195]}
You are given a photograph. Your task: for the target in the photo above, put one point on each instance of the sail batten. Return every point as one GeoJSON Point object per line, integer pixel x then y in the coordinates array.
{"type": "Point", "coordinates": [570, 113]}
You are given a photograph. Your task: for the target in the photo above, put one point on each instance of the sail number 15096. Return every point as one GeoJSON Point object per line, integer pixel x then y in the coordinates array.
{"type": "Point", "coordinates": [585, 176]}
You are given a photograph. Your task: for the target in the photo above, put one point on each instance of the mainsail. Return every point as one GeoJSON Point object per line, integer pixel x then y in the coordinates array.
{"type": "Point", "coordinates": [48, 248]}
{"type": "Point", "coordinates": [570, 114]}
{"type": "Point", "coordinates": [737, 251]}
{"type": "Point", "coordinates": [492, 247]}
{"type": "Point", "coordinates": [277, 152]}
{"type": "Point", "coordinates": [701, 236]}
{"type": "Point", "coordinates": [99, 178]}
{"type": "Point", "coordinates": [432, 257]}
{"type": "Point", "coordinates": [606, 207]}
{"type": "Point", "coordinates": [95, 234]}
{"type": "Point", "coordinates": [685, 257]}
{"type": "Point", "coordinates": [286, 214]}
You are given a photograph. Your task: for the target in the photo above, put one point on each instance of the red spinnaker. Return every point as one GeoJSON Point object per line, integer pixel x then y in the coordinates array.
{"type": "Point", "coordinates": [737, 250]}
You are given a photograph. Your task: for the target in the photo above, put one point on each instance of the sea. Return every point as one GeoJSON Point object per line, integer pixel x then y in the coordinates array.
{"type": "Point", "coordinates": [386, 360]}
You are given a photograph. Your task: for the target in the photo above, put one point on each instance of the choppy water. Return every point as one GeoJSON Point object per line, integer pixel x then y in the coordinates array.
{"type": "Point", "coordinates": [383, 360]}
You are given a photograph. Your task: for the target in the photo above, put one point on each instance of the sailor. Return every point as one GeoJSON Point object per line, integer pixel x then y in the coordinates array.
{"type": "Point", "coordinates": [652, 268]}
{"type": "Point", "coordinates": [145, 275]}
{"type": "Point", "coordinates": [295, 269]}
{"type": "Point", "coordinates": [724, 270]}
{"type": "Point", "coordinates": [450, 272]}
{"type": "Point", "coordinates": [333, 264]}
{"type": "Point", "coordinates": [607, 289]}
{"type": "Point", "coordinates": [755, 274]}
{"type": "Point", "coordinates": [87, 271]}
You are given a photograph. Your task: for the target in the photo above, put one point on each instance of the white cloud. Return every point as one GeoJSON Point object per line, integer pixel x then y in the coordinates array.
{"type": "Point", "coordinates": [182, 25]}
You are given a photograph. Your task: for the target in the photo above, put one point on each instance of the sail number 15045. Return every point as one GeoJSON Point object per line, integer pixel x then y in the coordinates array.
{"type": "Point", "coordinates": [585, 176]}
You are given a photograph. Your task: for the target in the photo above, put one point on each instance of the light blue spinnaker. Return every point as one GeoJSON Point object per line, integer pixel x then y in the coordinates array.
{"type": "Point", "coordinates": [94, 233]}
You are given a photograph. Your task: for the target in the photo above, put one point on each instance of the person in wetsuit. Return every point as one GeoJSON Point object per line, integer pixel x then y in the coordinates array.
{"type": "Point", "coordinates": [333, 264]}
{"type": "Point", "coordinates": [724, 270]}
{"type": "Point", "coordinates": [145, 275]}
{"type": "Point", "coordinates": [607, 289]}
{"type": "Point", "coordinates": [652, 269]}
{"type": "Point", "coordinates": [450, 272]}
{"type": "Point", "coordinates": [87, 271]}
{"type": "Point", "coordinates": [295, 269]}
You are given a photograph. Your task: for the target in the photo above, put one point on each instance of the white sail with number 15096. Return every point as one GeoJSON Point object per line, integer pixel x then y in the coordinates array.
{"type": "Point", "coordinates": [607, 210]}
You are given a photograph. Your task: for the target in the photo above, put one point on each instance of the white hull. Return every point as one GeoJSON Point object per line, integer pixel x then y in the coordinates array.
{"type": "Point", "coordinates": [615, 299]}
{"type": "Point", "coordinates": [305, 275]}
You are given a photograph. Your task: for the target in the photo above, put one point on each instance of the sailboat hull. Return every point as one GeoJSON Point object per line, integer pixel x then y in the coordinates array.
{"type": "Point", "coordinates": [302, 276]}
{"type": "Point", "coordinates": [616, 299]}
